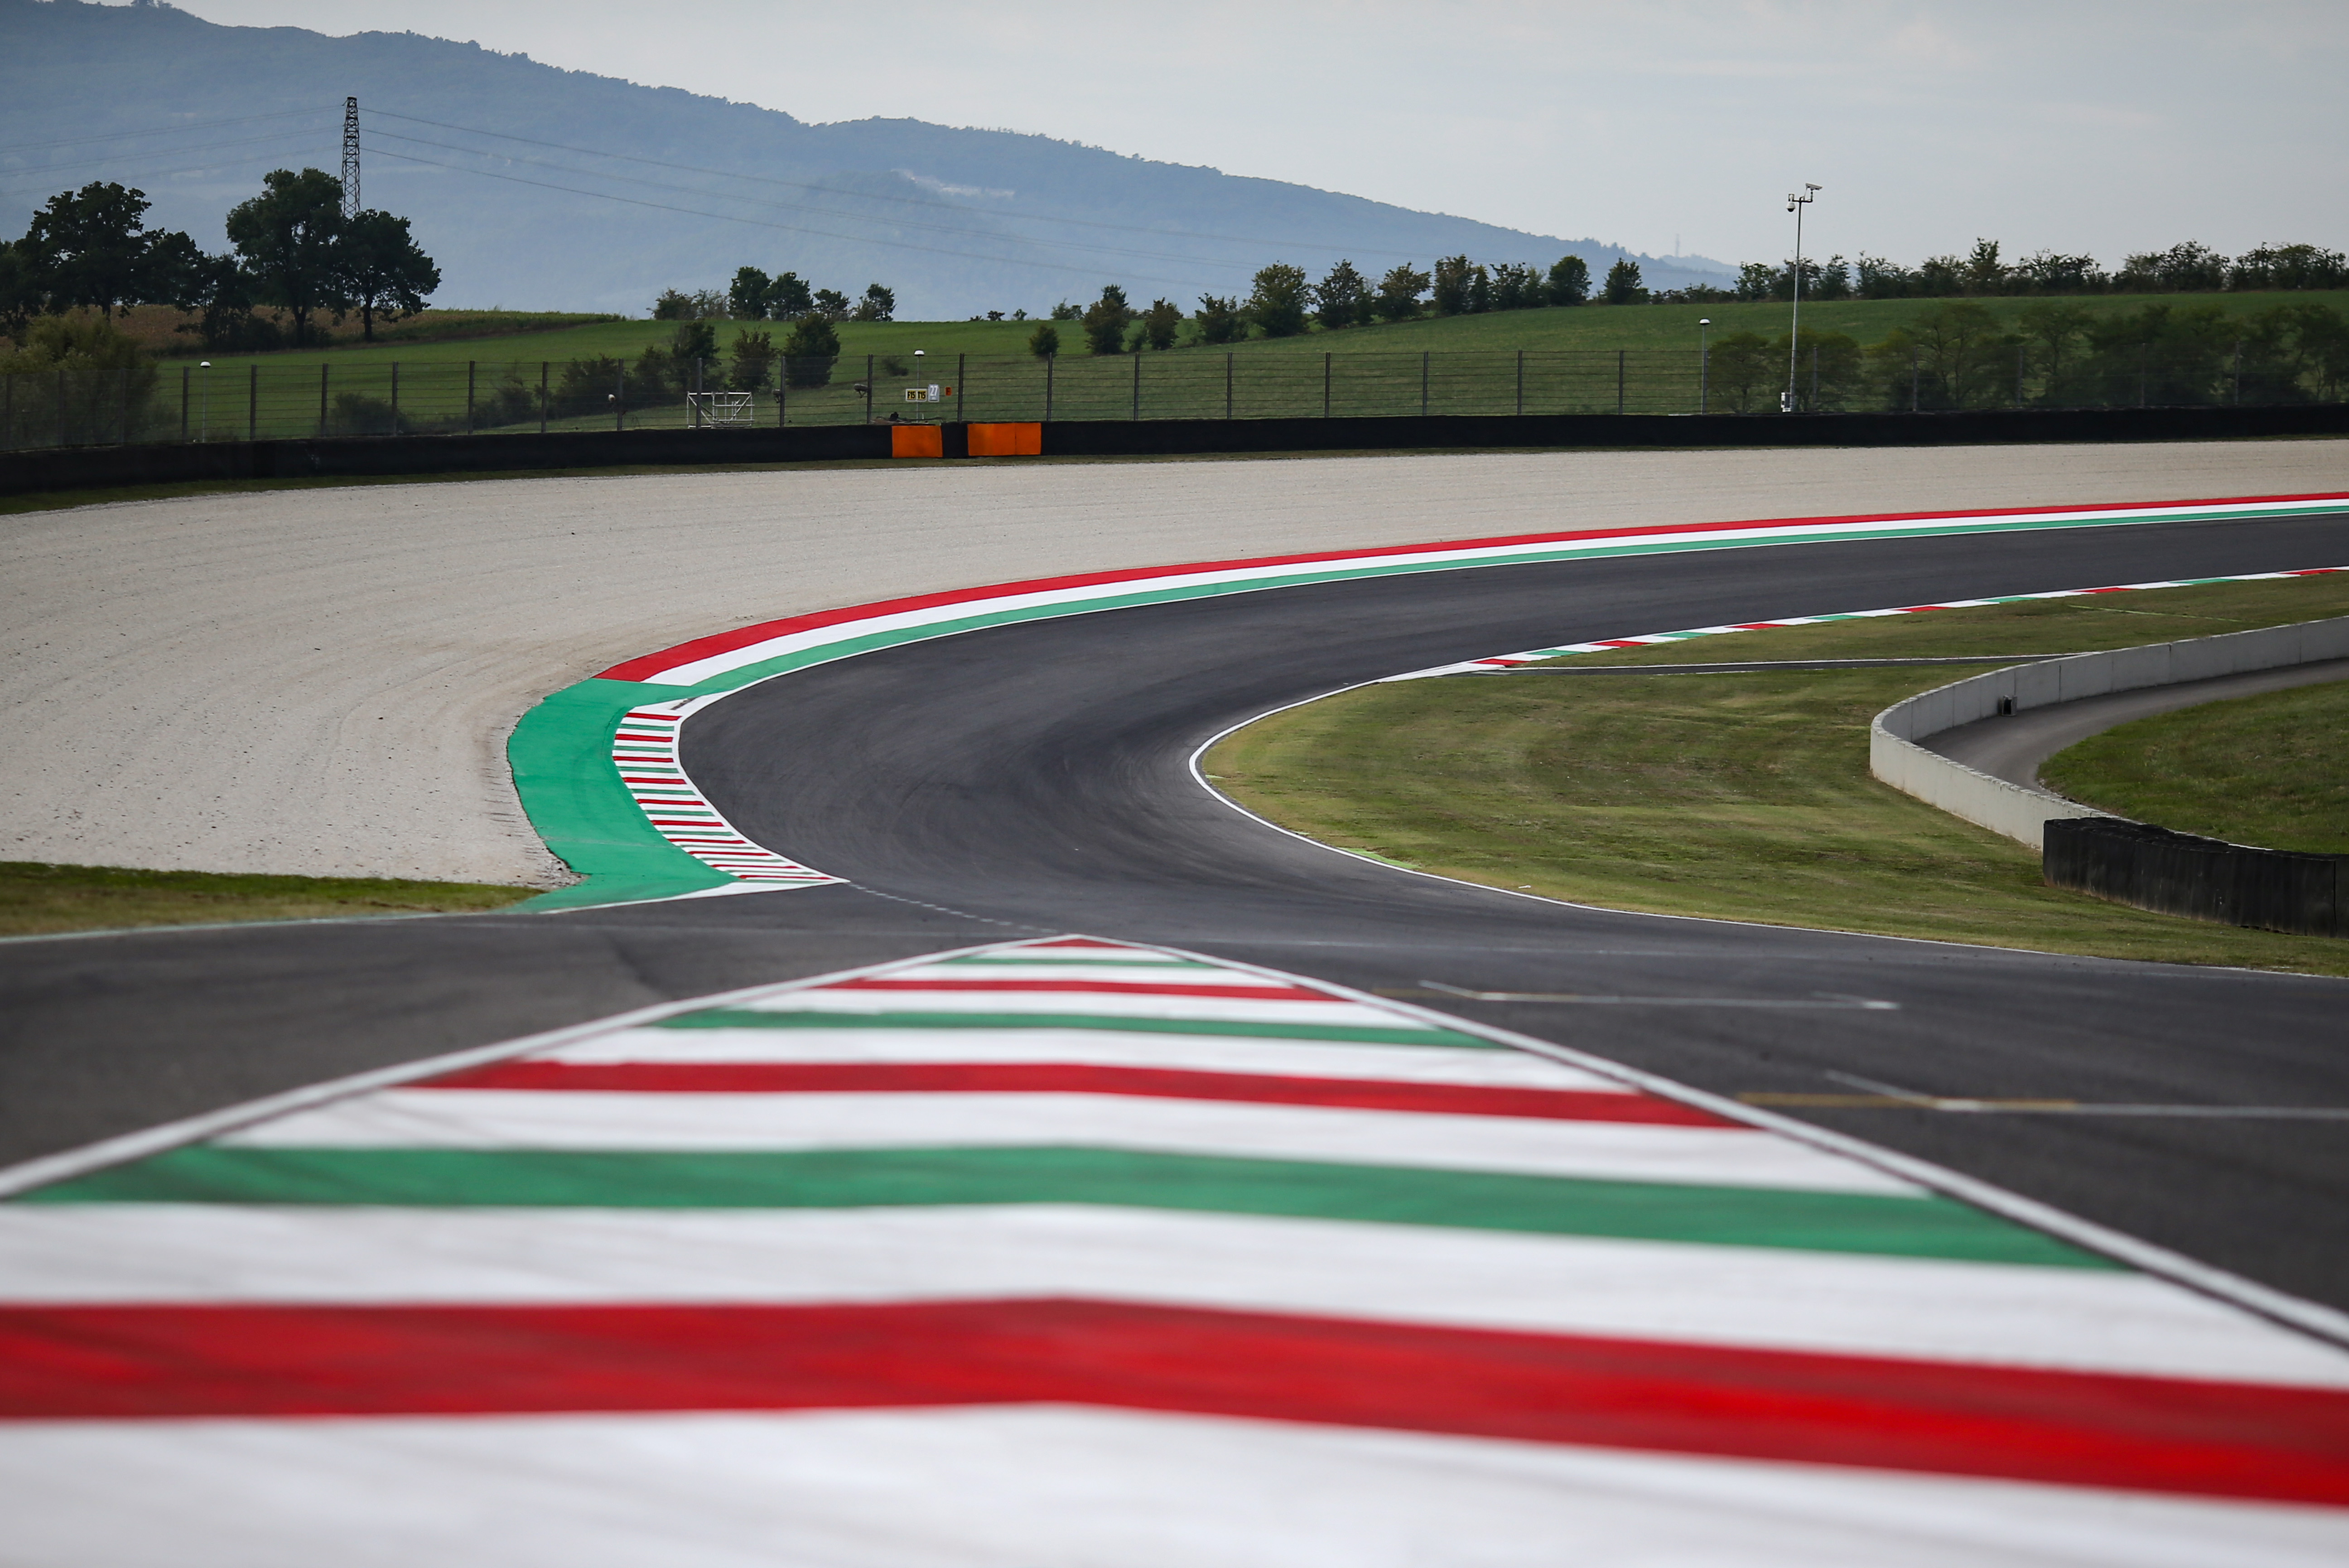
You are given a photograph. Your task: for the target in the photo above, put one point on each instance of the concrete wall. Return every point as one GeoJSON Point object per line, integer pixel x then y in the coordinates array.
{"type": "Point", "coordinates": [2022, 813]}
{"type": "Point", "coordinates": [29, 470]}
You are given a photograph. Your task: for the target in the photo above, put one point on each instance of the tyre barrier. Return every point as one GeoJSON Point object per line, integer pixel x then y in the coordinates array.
{"type": "Point", "coordinates": [2153, 868]}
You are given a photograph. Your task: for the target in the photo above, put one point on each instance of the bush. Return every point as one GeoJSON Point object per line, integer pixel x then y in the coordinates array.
{"type": "Point", "coordinates": [1045, 341]}
{"type": "Point", "coordinates": [811, 352]}
{"type": "Point", "coordinates": [1343, 298]}
{"type": "Point", "coordinates": [754, 356]}
{"type": "Point", "coordinates": [1623, 284]}
{"type": "Point", "coordinates": [1277, 305]}
{"type": "Point", "coordinates": [746, 300]}
{"type": "Point", "coordinates": [1220, 320]}
{"type": "Point", "coordinates": [1569, 281]}
{"type": "Point", "coordinates": [879, 303]}
{"type": "Point", "coordinates": [1398, 293]}
{"type": "Point", "coordinates": [1161, 323]}
{"type": "Point", "coordinates": [1106, 321]}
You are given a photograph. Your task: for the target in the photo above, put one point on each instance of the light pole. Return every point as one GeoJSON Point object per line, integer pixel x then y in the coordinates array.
{"type": "Point", "coordinates": [204, 432]}
{"type": "Point", "coordinates": [1795, 205]}
{"type": "Point", "coordinates": [1703, 367]}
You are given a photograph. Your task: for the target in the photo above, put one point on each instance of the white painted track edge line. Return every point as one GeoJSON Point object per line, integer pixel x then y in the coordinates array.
{"type": "Point", "coordinates": [2312, 1318]}
{"type": "Point", "coordinates": [43, 1169]}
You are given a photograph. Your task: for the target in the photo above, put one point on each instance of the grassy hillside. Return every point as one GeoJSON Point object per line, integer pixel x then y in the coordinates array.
{"type": "Point", "coordinates": [1590, 326]}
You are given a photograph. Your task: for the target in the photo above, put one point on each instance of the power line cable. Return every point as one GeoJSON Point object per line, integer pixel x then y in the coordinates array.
{"type": "Point", "coordinates": [764, 223]}
{"type": "Point", "coordinates": [841, 191]}
{"type": "Point", "coordinates": [158, 130]}
{"type": "Point", "coordinates": [996, 234]}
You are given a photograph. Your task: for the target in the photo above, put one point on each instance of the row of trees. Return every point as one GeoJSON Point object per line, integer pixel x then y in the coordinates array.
{"type": "Point", "coordinates": [290, 248]}
{"type": "Point", "coordinates": [2190, 267]}
{"type": "Point", "coordinates": [755, 297]}
{"type": "Point", "coordinates": [1284, 302]}
{"type": "Point", "coordinates": [2054, 353]}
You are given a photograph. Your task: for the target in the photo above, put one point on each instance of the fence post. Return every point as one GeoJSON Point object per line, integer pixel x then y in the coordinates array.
{"type": "Point", "coordinates": [541, 397]}
{"type": "Point", "coordinates": [962, 363]}
{"type": "Point", "coordinates": [1423, 383]}
{"type": "Point", "coordinates": [1049, 361]}
{"type": "Point", "coordinates": [322, 396]}
{"type": "Point", "coordinates": [1521, 382]}
{"type": "Point", "coordinates": [1227, 386]}
{"type": "Point", "coordinates": [1619, 379]}
{"type": "Point", "coordinates": [183, 402]}
{"type": "Point", "coordinates": [395, 397]}
{"type": "Point", "coordinates": [252, 402]}
{"type": "Point", "coordinates": [868, 389]}
{"type": "Point", "coordinates": [1137, 383]}
{"type": "Point", "coordinates": [1326, 358]}
{"type": "Point", "coordinates": [469, 397]}
{"type": "Point", "coordinates": [783, 390]}
{"type": "Point", "coordinates": [620, 399]}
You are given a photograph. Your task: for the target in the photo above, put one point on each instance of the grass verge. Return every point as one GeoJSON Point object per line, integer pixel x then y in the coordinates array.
{"type": "Point", "coordinates": [37, 898]}
{"type": "Point", "coordinates": [2271, 770]}
{"type": "Point", "coordinates": [1737, 796]}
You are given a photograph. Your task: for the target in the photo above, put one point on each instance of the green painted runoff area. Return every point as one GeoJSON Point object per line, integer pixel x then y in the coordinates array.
{"type": "Point", "coordinates": [2271, 770]}
{"type": "Point", "coordinates": [1921, 1227]}
{"type": "Point", "coordinates": [1742, 796]}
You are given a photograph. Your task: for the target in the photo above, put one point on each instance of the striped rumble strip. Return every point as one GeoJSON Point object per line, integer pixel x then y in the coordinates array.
{"type": "Point", "coordinates": [1076, 1253]}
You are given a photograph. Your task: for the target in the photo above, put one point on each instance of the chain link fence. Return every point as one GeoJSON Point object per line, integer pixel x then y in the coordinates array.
{"type": "Point", "coordinates": [257, 401]}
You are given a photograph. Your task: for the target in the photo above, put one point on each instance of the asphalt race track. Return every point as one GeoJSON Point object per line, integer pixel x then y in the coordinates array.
{"type": "Point", "coordinates": [1036, 778]}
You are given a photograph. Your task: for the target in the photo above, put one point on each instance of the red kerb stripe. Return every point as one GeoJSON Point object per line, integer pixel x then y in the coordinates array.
{"type": "Point", "coordinates": [2146, 1434]}
{"type": "Point", "coordinates": [1074, 1078]}
{"type": "Point", "coordinates": [744, 637]}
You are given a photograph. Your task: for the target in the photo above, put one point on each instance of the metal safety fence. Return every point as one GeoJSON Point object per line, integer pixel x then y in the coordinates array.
{"type": "Point", "coordinates": [257, 401]}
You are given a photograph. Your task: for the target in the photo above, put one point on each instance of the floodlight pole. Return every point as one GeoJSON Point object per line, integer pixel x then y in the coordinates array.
{"type": "Point", "coordinates": [1794, 204]}
{"type": "Point", "coordinates": [1703, 360]}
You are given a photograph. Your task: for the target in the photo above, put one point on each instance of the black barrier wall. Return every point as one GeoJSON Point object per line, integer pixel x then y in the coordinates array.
{"type": "Point", "coordinates": [72, 468]}
{"type": "Point", "coordinates": [2202, 879]}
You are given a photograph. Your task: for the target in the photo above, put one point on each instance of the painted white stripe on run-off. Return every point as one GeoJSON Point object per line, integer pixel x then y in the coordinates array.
{"type": "Point", "coordinates": [1091, 1047]}
{"type": "Point", "coordinates": [1778, 1298]}
{"type": "Point", "coordinates": [1041, 1487]}
{"type": "Point", "coordinates": [424, 1118]}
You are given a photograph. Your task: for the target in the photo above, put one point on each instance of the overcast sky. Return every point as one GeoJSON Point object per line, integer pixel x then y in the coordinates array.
{"type": "Point", "coordinates": [2076, 125]}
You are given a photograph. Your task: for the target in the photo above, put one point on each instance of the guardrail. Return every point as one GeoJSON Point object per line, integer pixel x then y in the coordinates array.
{"type": "Point", "coordinates": [2022, 813]}
{"type": "Point", "coordinates": [2151, 867]}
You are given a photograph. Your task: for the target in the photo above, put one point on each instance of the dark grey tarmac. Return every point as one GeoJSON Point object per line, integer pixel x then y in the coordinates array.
{"type": "Point", "coordinates": [1036, 778]}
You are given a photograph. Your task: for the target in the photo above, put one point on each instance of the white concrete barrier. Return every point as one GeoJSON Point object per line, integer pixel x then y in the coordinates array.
{"type": "Point", "coordinates": [2021, 814]}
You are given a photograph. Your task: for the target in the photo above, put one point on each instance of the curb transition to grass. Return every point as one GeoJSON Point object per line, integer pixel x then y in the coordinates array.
{"type": "Point", "coordinates": [40, 898]}
{"type": "Point", "coordinates": [1739, 796]}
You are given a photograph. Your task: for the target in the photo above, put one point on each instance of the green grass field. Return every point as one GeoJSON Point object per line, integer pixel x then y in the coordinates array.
{"type": "Point", "coordinates": [2271, 770]}
{"type": "Point", "coordinates": [40, 898]}
{"type": "Point", "coordinates": [1737, 796]}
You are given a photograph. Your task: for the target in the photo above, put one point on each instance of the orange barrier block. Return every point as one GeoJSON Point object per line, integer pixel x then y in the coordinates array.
{"type": "Point", "coordinates": [916, 441]}
{"type": "Point", "coordinates": [1007, 441]}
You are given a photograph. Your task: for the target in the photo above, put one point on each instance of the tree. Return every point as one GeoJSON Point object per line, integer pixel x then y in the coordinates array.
{"type": "Point", "coordinates": [2050, 330]}
{"type": "Point", "coordinates": [1276, 306]}
{"type": "Point", "coordinates": [1744, 371]}
{"type": "Point", "coordinates": [1623, 284]}
{"type": "Point", "coordinates": [1343, 298]}
{"type": "Point", "coordinates": [672, 305]}
{"type": "Point", "coordinates": [830, 303]}
{"type": "Point", "coordinates": [789, 297]}
{"type": "Point", "coordinates": [19, 299]}
{"type": "Point", "coordinates": [1220, 320]}
{"type": "Point", "coordinates": [1827, 369]}
{"type": "Point", "coordinates": [1161, 323]}
{"type": "Point", "coordinates": [88, 247]}
{"type": "Point", "coordinates": [1453, 277]}
{"type": "Point", "coordinates": [1829, 279]}
{"type": "Point", "coordinates": [1955, 355]}
{"type": "Point", "coordinates": [380, 270]}
{"type": "Point", "coordinates": [1569, 281]}
{"type": "Point", "coordinates": [1516, 286]}
{"type": "Point", "coordinates": [1045, 341]}
{"type": "Point", "coordinates": [746, 297]}
{"type": "Point", "coordinates": [754, 361]}
{"type": "Point", "coordinates": [809, 350]}
{"type": "Point", "coordinates": [879, 303]}
{"type": "Point", "coordinates": [2289, 266]}
{"type": "Point", "coordinates": [1398, 293]}
{"type": "Point", "coordinates": [286, 237]}
{"type": "Point", "coordinates": [1983, 271]}
{"type": "Point", "coordinates": [2051, 272]}
{"type": "Point", "coordinates": [228, 325]}
{"type": "Point", "coordinates": [1106, 319]}
{"type": "Point", "coordinates": [2191, 267]}
{"type": "Point", "coordinates": [1878, 278]}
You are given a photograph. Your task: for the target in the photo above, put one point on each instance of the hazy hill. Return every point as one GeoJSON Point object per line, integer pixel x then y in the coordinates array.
{"type": "Point", "coordinates": [956, 221]}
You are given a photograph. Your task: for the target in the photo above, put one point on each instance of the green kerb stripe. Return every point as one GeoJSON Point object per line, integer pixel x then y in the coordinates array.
{"type": "Point", "coordinates": [856, 1179]}
{"type": "Point", "coordinates": [744, 1018]}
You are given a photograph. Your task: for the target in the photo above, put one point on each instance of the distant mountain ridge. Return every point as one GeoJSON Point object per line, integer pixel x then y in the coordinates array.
{"type": "Point", "coordinates": [508, 168]}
